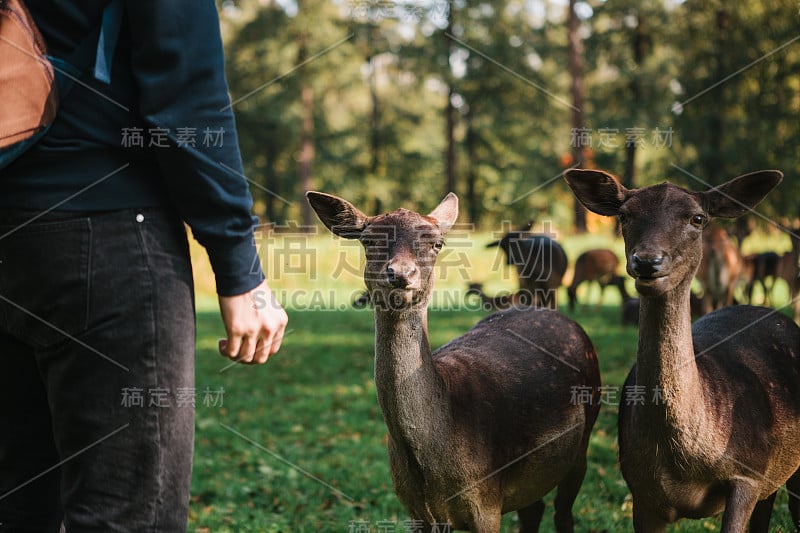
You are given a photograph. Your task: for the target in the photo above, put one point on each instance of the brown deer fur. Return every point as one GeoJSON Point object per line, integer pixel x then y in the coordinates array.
{"type": "Point", "coordinates": [725, 433]}
{"type": "Point", "coordinates": [789, 269]}
{"type": "Point", "coordinates": [598, 265]}
{"type": "Point", "coordinates": [719, 269]}
{"type": "Point", "coordinates": [487, 424]}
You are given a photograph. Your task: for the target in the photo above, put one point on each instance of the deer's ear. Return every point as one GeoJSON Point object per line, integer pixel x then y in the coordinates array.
{"type": "Point", "coordinates": [338, 215]}
{"type": "Point", "coordinates": [739, 195]}
{"type": "Point", "coordinates": [446, 212]}
{"type": "Point", "coordinates": [598, 191]}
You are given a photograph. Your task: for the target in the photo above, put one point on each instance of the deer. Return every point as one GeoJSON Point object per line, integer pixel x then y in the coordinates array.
{"type": "Point", "coordinates": [487, 424]}
{"type": "Point", "coordinates": [789, 269]}
{"type": "Point", "coordinates": [720, 268]}
{"type": "Point", "coordinates": [630, 308]}
{"type": "Point", "coordinates": [598, 265]}
{"type": "Point", "coordinates": [504, 300]}
{"type": "Point", "coordinates": [540, 262]}
{"type": "Point", "coordinates": [722, 432]}
{"type": "Point", "coordinates": [761, 268]}
{"type": "Point", "coordinates": [498, 301]}
{"type": "Point", "coordinates": [362, 300]}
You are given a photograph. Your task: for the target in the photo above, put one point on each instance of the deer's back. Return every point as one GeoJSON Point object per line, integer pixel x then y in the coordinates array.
{"type": "Point", "coordinates": [531, 374]}
{"type": "Point", "coordinates": [743, 341]}
{"type": "Point", "coordinates": [749, 358]}
{"type": "Point", "coordinates": [529, 345]}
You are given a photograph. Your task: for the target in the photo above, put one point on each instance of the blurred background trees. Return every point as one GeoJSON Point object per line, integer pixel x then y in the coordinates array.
{"type": "Point", "coordinates": [395, 102]}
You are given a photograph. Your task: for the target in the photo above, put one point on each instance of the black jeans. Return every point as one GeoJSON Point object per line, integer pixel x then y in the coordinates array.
{"type": "Point", "coordinates": [97, 337]}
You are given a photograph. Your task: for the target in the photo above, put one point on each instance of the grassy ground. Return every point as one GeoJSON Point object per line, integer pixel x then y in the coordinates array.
{"type": "Point", "coordinates": [299, 444]}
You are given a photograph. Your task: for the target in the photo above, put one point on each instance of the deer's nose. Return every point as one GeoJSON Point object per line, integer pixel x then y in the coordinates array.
{"type": "Point", "coordinates": [645, 264]}
{"type": "Point", "coordinates": [400, 275]}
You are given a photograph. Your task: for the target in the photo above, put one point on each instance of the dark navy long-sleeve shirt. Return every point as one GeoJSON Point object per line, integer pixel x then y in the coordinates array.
{"type": "Point", "coordinates": [161, 134]}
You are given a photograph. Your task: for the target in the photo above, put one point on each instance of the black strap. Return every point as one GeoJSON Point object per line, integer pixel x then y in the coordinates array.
{"type": "Point", "coordinates": [84, 55]}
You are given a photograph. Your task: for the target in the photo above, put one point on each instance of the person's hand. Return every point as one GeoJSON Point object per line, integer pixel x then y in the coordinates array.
{"type": "Point", "coordinates": [255, 323]}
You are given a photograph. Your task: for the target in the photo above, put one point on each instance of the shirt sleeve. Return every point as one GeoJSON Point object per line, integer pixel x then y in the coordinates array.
{"type": "Point", "coordinates": [178, 65]}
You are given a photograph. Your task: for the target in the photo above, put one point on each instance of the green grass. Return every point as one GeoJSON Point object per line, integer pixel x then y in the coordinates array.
{"type": "Point", "coordinates": [299, 444]}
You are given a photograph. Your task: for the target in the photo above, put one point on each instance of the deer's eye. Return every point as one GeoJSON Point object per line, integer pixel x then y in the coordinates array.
{"type": "Point", "coordinates": [438, 245]}
{"type": "Point", "coordinates": [698, 220]}
{"type": "Point", "coordinates": [373, 241]}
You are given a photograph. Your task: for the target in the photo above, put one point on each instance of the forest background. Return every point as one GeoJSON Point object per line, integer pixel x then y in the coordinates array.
{"type": "Point", "coordinates": [391, 103]}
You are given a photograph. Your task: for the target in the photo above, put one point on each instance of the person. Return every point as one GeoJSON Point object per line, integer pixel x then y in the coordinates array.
{"type": "Point", "coordinates": [97, 325]}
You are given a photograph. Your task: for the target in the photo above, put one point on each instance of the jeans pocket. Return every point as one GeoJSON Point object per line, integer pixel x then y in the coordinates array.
{"type": "Point", "coordinates": [44, 280]}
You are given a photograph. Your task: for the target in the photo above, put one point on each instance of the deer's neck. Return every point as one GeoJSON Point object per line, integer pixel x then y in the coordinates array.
{"type": "Point", "coordinates": [410, 391]}
{"type": "Point", "coordinates": [666, 368]}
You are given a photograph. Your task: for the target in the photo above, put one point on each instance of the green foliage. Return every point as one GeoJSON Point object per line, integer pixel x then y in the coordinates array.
{"type": "Point", "coordinates": [749, 120]}
{"type": "Point", "coordinates": [707, 90]}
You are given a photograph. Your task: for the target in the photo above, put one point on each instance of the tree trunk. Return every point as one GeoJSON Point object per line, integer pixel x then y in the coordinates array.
{"type": "Point", "coordinates": [306, 160]}
{"type": "Point", "coordinates": [473, 202]}
{"type": "Point", "coordinates": [375, 122]}
{"type": "Point", "coordinates": [271, 184]}
{"type": "Point", "coordinates": [715, 162]}
{"type": "Point", "coordinates": [450, 169]}
{"type": "Point", "coordinates": [450, 118]}
{"type": "Point", "coordinates": [576, 75]}
{"type": "Point", "coordinates": [639, 45]}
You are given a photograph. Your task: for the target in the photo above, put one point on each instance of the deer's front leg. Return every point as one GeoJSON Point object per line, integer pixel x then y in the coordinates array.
{"type": "Point", "coordinates": [739, 505]}
{"type": "Point", "coordinates": [646, 521]}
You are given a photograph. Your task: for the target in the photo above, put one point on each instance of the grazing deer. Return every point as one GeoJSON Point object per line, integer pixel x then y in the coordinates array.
{"type": "Point", "coordinates": [742, 228]}
{"type": "Point", "coordinates": [720, 268]}
{"type": "Point", "coordinates": [724, 431]}
{"type": "Point", "coordinates": [760, 268]}
{"type": "Point", "coordinates": [362, 300]}
{"type": "Point", "coordinates": [789, 269]}
{"type": "Point", "coordinates": [496, 302]}
{"type": "Point", "coordinates": [488, 423]}
{"type": "Point", "coordinates": [540, 262]}
{"type": "Point", "coordinates": [598, 265]}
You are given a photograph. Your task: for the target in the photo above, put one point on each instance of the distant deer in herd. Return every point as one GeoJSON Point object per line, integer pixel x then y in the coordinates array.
{"type": "Point", "coordinates": [498, 301]}
{"type": "Point", "coordinates": [486, 424]}
{"type": "Point", "coordinates": [723, 432]}
{"type": "Point", "coordinates": [720, 268]}
{"type": "Point", "coordinates": [362, 300]}
{"type": "Point", "coordinates": [761, 268]}
{"type": "Point", "coordinates": [598, 265]}
{"type": "Point", "coordinates": [540, 263]}
{"type": "Point", "coordinates": [742, 228]}
{"type": "Point", "coordinates": [789, 269]}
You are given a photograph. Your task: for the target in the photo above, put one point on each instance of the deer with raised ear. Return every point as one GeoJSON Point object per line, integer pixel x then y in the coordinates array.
{"type": "Point", "coordinates": [488, 423]}
{"type": "Point", "coordinates": [718, 427]}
